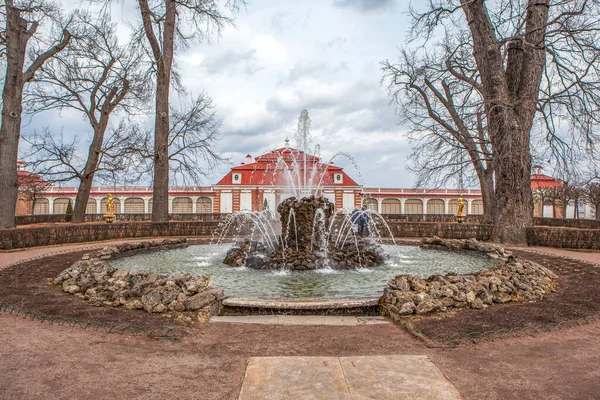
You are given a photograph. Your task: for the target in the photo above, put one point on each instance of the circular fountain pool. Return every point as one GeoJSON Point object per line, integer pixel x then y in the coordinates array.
{"type": "Point", "coordinates": [358, 283]}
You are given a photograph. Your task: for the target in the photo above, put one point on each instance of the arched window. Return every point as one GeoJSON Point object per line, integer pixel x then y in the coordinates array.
{"type": "Point", "coordinates": [182, 205]}
{"type": "Point", "coordinates": [204, 205]}
{"type": "Point", "coordinates": [60, 205]}
{"type": "Point", "coordinates": [413, 206]}
{"type": "Point", "coordinates": [91, 207]}
{"type": "Point", "coordinates": [370, 203]}
{"type": "Point", "coordinates": [435, 206]}
{"type": "Point", "coordinates": [134, 205]}
{"type": "Point", "coordinates": [477, 207]}
{"type": "Point", "coordinates": [390, 206]}
{"type": "Point", "coordinates": [150, 206]}
{"type": "Point", "coordinates": [42, 207]}
{"type": "Point", "coordinates": [117, 205]}
{"type": "Point", "coordinates": [453, 206]}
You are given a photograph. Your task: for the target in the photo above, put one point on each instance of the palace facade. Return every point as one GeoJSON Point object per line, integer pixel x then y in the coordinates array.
{"type": "Point", "coordinates": [264, 181]}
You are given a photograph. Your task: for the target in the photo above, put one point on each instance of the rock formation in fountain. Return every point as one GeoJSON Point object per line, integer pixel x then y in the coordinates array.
{"type": "Point", "coordinates": [305, 242]}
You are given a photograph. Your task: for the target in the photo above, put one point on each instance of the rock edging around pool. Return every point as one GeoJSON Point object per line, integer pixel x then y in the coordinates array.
{"type": "Point", "coordinates": [95, 280]}
{"type": "Point", "coordinates": [515, 279]}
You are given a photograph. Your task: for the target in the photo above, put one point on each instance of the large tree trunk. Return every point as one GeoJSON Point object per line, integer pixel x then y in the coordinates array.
{"type": "Point", "coordinates": [87, 179]}
{"type": "Point", "coordinates": [510, 98]}
{"type": "Point", "coordinates": [598, 211]}
{"type": "Point", "coordinates": [10, 130]}
{"type": "Point", "coordinates": [486, 184]}
{"type": "Point", "coordinates": [514, 201]}
{"type": "Point", "coordinates": [160, 203]}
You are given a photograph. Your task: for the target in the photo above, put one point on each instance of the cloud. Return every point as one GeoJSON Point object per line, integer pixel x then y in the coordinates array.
{"type": "Point", "coordinates": [230, 62]}
{"type": "Point", "coordinates": [364, 5]}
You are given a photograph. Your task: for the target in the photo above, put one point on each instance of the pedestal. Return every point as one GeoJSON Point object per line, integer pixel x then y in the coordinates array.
{"type": "Point", "coordinates": [109, 218]}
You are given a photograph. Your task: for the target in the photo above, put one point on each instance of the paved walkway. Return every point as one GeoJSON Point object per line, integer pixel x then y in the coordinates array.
{"type": "Point", "coordinates": [345, 378]}
{"type": "Point", "coordinates": [587, 256]}
{"type": "Point", "coordinates": [8, 258]}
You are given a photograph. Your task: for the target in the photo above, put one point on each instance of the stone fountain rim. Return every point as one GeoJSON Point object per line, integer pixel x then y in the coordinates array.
{"type": "Point", "coordinates": [302, 303]}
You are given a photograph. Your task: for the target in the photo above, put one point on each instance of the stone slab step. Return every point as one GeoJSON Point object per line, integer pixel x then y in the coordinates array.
{"type": "Point", "coordinates": [300, 304]}
{"type": "Point", "coordinates": [324, 320]}
{"type": "Point", "coordinates": [393, 377]}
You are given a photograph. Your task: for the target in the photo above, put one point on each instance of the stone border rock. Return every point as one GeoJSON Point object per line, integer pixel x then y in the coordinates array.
{"type": "Point", "coordinates": [96, 281]}
{"type": "Point", "coordinates": [515, 279]}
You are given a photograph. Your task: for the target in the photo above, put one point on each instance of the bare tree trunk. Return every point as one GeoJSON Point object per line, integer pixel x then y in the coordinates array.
{"type": "Point", "coordinates": [87, 178]}
{"type": "Point", "coordinates": [486, 184]}
{"type": "Point", "coordinates": [514, 201]}
{"type": "Point", "coordinates": [598, 211]}
{"type": "Point", "coordinates": [163, 56]}
{"type": "Point", "coordinates": [12, 107]}
{"type": "Point", "coordinates": [160, 202]}
{"type": "Point", "coordinates": [510, 99]}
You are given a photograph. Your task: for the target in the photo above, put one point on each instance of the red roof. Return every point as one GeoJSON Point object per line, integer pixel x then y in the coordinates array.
{"type": "Point", "coordinates": [28, 179]}
{"type": "Point", "coordinates": [541, 181]}
{"type": "Point", "coordinates": [280, 166]}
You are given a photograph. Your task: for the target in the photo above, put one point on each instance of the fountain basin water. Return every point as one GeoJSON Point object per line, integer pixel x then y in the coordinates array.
{"type": "Point", "coordinates": [321, 283]}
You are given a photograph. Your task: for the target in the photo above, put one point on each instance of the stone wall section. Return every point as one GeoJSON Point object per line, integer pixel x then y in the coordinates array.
{"type": "Point", "coordinates": [515, 279]}
{"type": "Point", "coordinates": [95, 280]}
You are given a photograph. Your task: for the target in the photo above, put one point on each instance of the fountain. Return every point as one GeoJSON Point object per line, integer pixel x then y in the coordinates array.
{"type": "Point", "coordinates": [309, 234]}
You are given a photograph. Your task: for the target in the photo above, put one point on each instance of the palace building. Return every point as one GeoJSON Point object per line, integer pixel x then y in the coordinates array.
{"type": "Point", "coordinates": [263, 182]}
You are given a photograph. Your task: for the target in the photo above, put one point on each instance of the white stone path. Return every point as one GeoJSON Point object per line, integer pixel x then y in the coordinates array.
{"type": "Point", "coordinates": [394, 377]}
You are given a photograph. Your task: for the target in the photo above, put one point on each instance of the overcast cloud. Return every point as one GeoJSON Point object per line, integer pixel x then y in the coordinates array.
{"type": "Point", "coordinates": [285, 56]}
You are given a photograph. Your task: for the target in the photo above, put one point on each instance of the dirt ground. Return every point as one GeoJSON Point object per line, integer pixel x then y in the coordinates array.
{"type": "Point", "coordinates": [208, 362]}
{"type": "Point", "coordinates": [577, 297]}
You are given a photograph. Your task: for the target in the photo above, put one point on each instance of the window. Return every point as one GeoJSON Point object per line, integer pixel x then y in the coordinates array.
{"type": "Point", "coordinates": [42, 207]}
{"type": "Point", "coordinates": [134, 205]}
{"type": "Point", "coordinates": [477, 207]}
{"type": "Point", "coordinates": [117, 205]}
{"type": "Point", "coordinates": [453, 207]}
{"type": "Point", "coordinates": [60, 206]}
{"type": "Point", "coordinates": [390, 206]}
{"type": "Point", "coordinates": [182, 205]}
{"type": "Point", "coordinates": [91, 207]}
{"type": "Point", "coordinates": [435, 207]}
{"type": "Point", "coordinates": [413, 206]}
{"type": "Point", "coordinates": [371, 204]}
{"type": "Point", "coordinates": [204, 205]}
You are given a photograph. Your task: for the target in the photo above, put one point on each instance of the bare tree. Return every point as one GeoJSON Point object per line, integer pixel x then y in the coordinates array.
{"type": "Point", "coordinates": [168, 25]}
{"type": "Point", "coordinates": [592, 196]}
{"type": "Point", "coordinates": [97, 77]}
{"type": "Point", "coordinates": [536, 62]}
{"type": "Point", "coordinates": [24, 50]}
{"type": "Point", "coordinates": [31, 188]}
{"type": "Point", "coordinates": [59, 160]}
{"type": "Point", "coordinates": [439, 98]}
{"type": "Point", "coordinates": [193, 134]}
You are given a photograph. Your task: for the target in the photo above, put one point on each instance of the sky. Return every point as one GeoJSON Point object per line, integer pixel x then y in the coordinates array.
{"type": "Point", "coordinates": [283, 56]}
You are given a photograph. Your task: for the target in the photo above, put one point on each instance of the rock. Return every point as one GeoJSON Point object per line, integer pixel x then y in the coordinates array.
{"type": "Point", "coordinates": [71, 289]}
{"type": "Point", "coordinates": [198, 301]}
{"type": "Point", "coordinates": [134, 304]}
{"type": "Point", "coordinates": [176, 305]}
{"type": "Point", "coordinates": [406, 308]}
{"type": "Point", "coordinates": [515, 279]}
{"type": "Point", "coordinates": [151, 299]}
{"type": "Point", "coordinates": [428, 305]}
{"type": "Point", "coordinates": [159, 308]}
